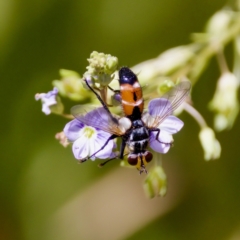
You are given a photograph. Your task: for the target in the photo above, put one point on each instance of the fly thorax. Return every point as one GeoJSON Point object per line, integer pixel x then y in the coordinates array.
{"type": "Point", "coordinates": [137, 123]}
{"type": "Point", "coordinates": [140, 133]}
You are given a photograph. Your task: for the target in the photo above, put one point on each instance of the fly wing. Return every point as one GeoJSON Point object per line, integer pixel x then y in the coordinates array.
{"type": "Point", "coordinates": [98, 118]}
{"type": "Point", "coordinates": [160, 108]}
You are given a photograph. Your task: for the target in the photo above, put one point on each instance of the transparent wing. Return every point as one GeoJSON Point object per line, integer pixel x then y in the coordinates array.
{"type": "Point", "coordinates": [160, 108]}
{"type": "Point", "coordinates": [98, 118]}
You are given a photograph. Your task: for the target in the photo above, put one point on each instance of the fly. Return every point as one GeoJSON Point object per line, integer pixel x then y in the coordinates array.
{"type": "Point", "coordinates": [137, 125]}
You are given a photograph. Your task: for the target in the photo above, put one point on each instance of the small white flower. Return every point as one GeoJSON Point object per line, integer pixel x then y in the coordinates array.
{"type": "Point", "coordinates": [219, 22]}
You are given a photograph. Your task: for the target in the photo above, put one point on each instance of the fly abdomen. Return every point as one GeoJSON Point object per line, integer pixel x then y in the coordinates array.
{"type": "Point", "coordinates": [131, 93]}
{"type": "Point", "coordinates": [138, 146]}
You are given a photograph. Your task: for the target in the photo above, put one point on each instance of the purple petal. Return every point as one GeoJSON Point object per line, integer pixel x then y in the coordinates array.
{"type": "Point", "coordinates": [46, 109]}
{"type": "Point", "coordinates": [48, 99]}
{"type": "Point", "coordinates": [84, 147]}
{"type": "Point", "coordinates": [159, 107]}
{"type": "Point", "coordinates": [72, 129]}
{"type": "Point", "coordinates": [52, 93]}
{"type": "Point", "coordinates": [102, 137]}
{"type": "Point", "coordinates": [165, 137]}
{"type": "Point", "coordinates": [80, 148]}
{"type": "Point", "coordinates": [98, 118]}
{"type": "Point", "coordinates": [163, 145]}
{"type": "Point", "coordinates": [171, 124]}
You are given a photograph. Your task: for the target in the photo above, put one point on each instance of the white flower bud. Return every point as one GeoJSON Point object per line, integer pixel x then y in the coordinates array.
{"type": "Point", "coordinates": [225, 101]}
{"type": "Point", "coordinates": [166, 63]}
{"type": "Point", "coordinates": [219, 22]}
{"type": "Point", "coordinates": [210, 144]}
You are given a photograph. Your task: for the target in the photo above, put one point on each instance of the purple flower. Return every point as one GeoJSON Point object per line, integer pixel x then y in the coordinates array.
{"type": "Point", "coordinates": [170, 125]}
{"type": "Point", "coordinates": [88, 140]}
{"type": "Point", "coordinates": [48, 100]}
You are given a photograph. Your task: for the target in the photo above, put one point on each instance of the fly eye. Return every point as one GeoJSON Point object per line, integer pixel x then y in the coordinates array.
{"type": "Point", "coordinates": [148, 156]}
{"type": "Point", "coordinates": [133, 159]}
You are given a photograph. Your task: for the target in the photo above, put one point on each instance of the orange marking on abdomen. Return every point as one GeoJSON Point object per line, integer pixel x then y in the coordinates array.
{"type": "Point", "coordinates": [131, 97]}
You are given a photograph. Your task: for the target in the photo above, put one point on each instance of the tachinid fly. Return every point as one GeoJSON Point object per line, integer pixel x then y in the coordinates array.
{"type": "Point", "coordinates": [137, 125]}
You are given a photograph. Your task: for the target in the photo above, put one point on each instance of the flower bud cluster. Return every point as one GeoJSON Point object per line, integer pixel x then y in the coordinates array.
{"type": "Point", "coordinates": [156, 182]}
{"type": "Point", "coordinates": [100, 69]}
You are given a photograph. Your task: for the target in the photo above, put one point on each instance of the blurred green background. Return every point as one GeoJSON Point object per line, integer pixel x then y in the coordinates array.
{"type": "Point", "coordinates": [44, 193]}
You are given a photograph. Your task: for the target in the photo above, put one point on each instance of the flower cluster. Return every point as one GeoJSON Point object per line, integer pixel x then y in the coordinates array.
{"type": "Point", "coordinates": [93, 132]}
{"type": "Point", "coordinates": [100, 69]}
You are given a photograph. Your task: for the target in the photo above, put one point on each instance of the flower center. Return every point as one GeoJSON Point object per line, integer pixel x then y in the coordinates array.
{"type": "Point", "coordinates": [88, 132]}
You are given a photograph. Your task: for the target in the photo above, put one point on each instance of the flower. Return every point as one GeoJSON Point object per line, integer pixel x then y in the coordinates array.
{"type": "Point", "coordinates": [170, 125]}
{"type": "Point", "coordinates": [88, 140]}
{"type": "Point", "coordinates": [210, 144]}
{"type": "Point", "coordinates": [50, 102]}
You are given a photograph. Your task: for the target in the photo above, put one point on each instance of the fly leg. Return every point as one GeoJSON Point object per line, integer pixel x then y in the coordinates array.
{"type": "Point", "coordinates": [123, 145]}
{"type": "Point", "coordinates": [104, 145]}
{"type": "Point", "coordinates": [115, 91]}
{"type": "Point", "coordinates": [117, 96]}
{"type": "Point", "coordinates": [121, 155]}
{"type": "Point", "coordinates": [98, 97]}
{"type": "Point", "coordinates": [158, 132]}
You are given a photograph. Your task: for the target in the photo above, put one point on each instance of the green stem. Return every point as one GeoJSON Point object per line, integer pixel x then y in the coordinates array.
{"type": "Point", "coordinates": [195, 114]}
